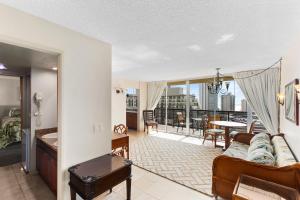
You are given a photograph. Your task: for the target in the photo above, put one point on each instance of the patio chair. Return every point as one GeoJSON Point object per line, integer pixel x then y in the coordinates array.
{"type": "Point", "coordinates": [149, 120]}
{"type": "Point", "coordinates": [252, 126]}
{"type": "Point", "coordinates": [213, 132]}
{"type": "Point", "coordinates": [180, 121]}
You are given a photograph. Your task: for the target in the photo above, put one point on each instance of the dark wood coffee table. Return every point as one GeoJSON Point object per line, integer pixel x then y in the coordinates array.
{"type": "Point", "coordinates": [92, 178]}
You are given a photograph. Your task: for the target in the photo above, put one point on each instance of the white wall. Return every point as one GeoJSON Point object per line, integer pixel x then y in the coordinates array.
{"type": "Point", "coordinates": [290, 71]}
{"type": "Point", "coordinates": [44, 82]}
{"type": "Point", "coordinates": [119, 101]}
{"type": "Point", "coordinates": [9, 91]}
{"type": "Point", "coordinates": [84, 91]}
{"type": "Point", "coordinates": [118, 108]}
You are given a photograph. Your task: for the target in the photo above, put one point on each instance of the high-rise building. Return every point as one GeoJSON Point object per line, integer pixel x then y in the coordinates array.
{"type": "Point", "coordinates": [228, 102]}
{"type": "Point", "coordinates": [203, 96]}
{"type": "Point", "coordinates": [244, 105]}
{"type": "Point", "coordinates": [212, 103]}
{"type": "Point", "coordinates": [177, 99]}
{"type": "Point", "coordinates": [207, 101]}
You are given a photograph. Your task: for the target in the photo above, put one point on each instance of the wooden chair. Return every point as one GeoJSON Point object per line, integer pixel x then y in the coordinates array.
{"type": "Point", "coordinates": [120, 129]}
{"type": "Point", "coordinates": [180, 121]}
{"type": "Point", "coordinates": [252, 126]}
{"type": "Point", "coordinates": [212, 132]}
{"type": "Point", "coordinates": [149, 120]}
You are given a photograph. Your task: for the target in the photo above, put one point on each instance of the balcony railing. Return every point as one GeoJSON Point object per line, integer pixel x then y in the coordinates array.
{"type": "Point", "coordinates": [237, 116]}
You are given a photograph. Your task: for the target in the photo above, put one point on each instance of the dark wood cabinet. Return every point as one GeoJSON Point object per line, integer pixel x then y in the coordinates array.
{"type": "Point", "coordinates": [46, 164]}
{"type": "Point", "coordinates": [131, 120]}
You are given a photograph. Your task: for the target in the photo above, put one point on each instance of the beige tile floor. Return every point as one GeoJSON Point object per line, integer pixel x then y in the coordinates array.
{"type": "Point", "coordinates": [148, 186]}
{"type": "Point", "coordinates": [15, 185]}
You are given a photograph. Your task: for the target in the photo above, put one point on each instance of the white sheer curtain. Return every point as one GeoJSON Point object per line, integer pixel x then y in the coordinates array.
{"type": "Point", "coordinates": [261, 93]}
{"type": "Point", "coordinates": [155, 90]}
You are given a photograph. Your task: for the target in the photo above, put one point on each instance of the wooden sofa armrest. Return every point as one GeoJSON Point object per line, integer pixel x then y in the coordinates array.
{"type": "Point", "coordinates": [243, 138]}
{"type": "Point", "coordinates": [226, 171]}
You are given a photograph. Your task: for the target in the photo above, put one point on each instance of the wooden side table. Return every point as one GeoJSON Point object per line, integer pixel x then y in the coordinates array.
{"type": "Point", "coordinates": [92, 178]}
{"type": "Point", "coordinates": [251, 188]}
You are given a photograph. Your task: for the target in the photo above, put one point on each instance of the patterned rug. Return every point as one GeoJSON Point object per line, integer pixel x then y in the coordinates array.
{"type": "Point", "coordinates": [187, 164]}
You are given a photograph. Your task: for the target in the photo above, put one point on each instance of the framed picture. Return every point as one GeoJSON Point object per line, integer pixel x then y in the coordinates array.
{"type": "Point", "coordinates": [291, 102]}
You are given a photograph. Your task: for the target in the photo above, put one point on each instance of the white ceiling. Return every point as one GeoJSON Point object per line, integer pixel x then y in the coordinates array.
{"type": "Point", "coordinates": [176, 39]}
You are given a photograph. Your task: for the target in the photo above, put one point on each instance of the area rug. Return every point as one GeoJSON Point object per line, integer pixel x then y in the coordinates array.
{"type": "Point", "coordinates": [187, 164]}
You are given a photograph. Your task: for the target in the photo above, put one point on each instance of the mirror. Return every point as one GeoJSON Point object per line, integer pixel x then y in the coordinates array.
{"type": "Point", "coordinates": [291, 102]}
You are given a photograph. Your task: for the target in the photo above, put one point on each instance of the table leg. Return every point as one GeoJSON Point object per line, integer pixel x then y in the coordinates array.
{"type": "Point", "coordinates": [73, 194]}
{"type": "Point", "coordinates": [127, 151]}
{"type": "Point", "coordinates": [128, 188]}
{"type": "Point", "coordinates": [227, 139]}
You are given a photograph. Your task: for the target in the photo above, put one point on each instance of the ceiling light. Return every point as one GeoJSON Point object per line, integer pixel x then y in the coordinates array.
{"type": "Point", "coordinates": [54, 68]}
{"type": "Point", "coordinates": [2, 66]}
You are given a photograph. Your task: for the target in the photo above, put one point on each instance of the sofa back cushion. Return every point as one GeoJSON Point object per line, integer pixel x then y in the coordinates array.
{"type": "Point", "coordinates": [282, 152]}
{"type": "Point", "coordinates": [261, 150]}
{"type": "Point", "coordinates": [258, 144]}
{"type": "Point", "coordinates": [260, 137]}
{"type": "Point", "coordinates": [261, 156]}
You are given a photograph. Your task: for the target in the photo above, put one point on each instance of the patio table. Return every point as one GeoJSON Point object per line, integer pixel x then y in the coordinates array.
{"type": "Point", "coordinates": [227, 125]}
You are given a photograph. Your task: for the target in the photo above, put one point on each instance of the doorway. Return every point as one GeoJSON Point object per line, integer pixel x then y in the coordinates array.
{"type": "Point", "coordinates": [132, 102]}
{"type": "Point", "coordinates": [10, 120]}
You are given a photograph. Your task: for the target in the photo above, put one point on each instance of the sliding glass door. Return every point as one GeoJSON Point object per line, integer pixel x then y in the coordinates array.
{"type": "Point", "coordinates": [184, 106]}
{"type": "Point", "coordinates": [176, 109]}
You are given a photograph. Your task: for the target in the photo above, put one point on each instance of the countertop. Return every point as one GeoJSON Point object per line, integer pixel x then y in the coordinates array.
{"type": "Point", "coordinates": [48, 141]}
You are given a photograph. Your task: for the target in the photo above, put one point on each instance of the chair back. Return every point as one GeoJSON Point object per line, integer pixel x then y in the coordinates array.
{"type": "Point", "coordinates": [148, 115]}
{"type": "Point", "coordinates": [180, 118]}
{"type": "Point", "coordinates": [213, 118]}
{"type": "Point", "coordinates": [252, 126]}
{"type": "Point", "coordinates": [121, 129]}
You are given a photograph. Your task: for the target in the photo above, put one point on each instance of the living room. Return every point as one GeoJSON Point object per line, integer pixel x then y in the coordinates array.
{"type": "Point", "coordinates": [169, 53]}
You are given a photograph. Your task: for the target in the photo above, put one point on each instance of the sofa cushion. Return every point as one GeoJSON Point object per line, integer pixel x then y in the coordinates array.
{"type": "Point", "coordinates": [258, 144]}
{"type": "Point", "coordinates": [260, 137]}
{"type": "Point", "coordinates": [237, 150]}
{"type": "Point", "coordinates": [283, 153]}
{"type": "Point", "coordinates": [261, 156]}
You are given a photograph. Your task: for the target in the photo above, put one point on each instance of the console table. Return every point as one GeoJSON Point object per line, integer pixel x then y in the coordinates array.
{"type": "Point", "coordinates": [92, 178]}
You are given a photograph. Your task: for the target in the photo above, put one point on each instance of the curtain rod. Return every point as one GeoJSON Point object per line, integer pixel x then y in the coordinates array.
{"type": "Point", "coordinates": [263, 70]}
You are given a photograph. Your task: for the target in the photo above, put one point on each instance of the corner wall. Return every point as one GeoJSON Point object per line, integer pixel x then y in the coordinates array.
{"type": "Point", "coordinates": [84, 87]}
{"type": "Point", "coordinates": [290, 71]}
{"type": "Point", "coordinates": [44, 82]}
{"type": "Point", "coordinates": [119, 101]}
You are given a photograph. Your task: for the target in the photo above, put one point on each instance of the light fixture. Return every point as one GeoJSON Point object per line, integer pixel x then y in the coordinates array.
{"type": "Point", "coordinates": [215, 87]}
{"type": "Point", "coordinates": [280, 99]}
{"type": "Point", "coordinates": [54, 68]}
{"type": "Point", "coordinates": [297, 87]}
{"type": "Point", "coordinates": [2, 66]}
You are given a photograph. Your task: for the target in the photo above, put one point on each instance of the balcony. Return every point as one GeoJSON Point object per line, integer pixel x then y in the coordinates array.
{"type": "Point", "coordinates": [195, 127]}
